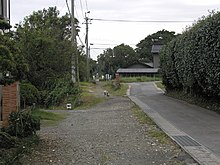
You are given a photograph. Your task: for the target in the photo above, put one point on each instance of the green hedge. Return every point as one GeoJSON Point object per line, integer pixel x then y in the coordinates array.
{"type": "Point", "coordinates": [191, 62]}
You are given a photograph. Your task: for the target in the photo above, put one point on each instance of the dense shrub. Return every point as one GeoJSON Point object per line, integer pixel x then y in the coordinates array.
{"type": "Point", "coordinates": [6, 140]}
{"type": "Point", "coordinates": [29, 94]}
{"type": "Point", "coordinates": [59, 91]}
{"type": "Point", "coordinates": [22, 124]}
{"type": "Point", "coordinates": [191, 62]}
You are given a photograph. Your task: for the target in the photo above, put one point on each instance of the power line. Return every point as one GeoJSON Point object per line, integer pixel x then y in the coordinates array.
{"type": "Point", "coordinates": [81, 8]}
{"type": "Point", "coordinates": [77, 15]}
{"type": "Point", "coordinates": [139, 21]}
{"type": "Point", "coordinates": [68, 8]}
{"type": "Point", "coordinates": [105, 44]}
{"type": "Point", "coordinates": [86, 5]}
{"type": "Point", "coordinates": [99, 48]}
{"type": "Point", "coordinates": [63, 5]}
{"type": "Point", "coordinates": [81, 40]}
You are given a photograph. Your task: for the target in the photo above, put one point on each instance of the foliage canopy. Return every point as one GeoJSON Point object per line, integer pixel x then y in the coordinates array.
{"type": "Point", "coordinates": [191, 62]}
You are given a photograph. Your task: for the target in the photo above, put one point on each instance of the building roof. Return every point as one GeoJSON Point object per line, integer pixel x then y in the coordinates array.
{"type": "Point", "coordinates": [150, 64]}
{"type": "Point", "coordinates": [140, 65]}
{"type": "Point", "coordinates": [156, 48]}
{"type": "Point", "coordinates": [137, 70]}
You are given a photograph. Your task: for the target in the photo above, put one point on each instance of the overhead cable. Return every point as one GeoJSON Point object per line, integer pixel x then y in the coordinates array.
{"type": "Point", "coordinates": [139, 21]}
{"type": "Point", "coordinates": [82, 8]}
{"type": "Point", "coordinates": [86, 5]}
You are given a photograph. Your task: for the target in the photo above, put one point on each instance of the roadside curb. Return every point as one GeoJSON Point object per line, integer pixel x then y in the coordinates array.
{"type": "Point", "coordinates": [196, 150]}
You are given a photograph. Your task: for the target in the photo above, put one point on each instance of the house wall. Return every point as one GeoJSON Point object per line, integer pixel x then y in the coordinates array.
{"type": "Point", "coordinates": [156, 60]}
{"type": "Point", "coordinates": [10, 101]}
{"type": "Point", "coordinates": [137, 74]}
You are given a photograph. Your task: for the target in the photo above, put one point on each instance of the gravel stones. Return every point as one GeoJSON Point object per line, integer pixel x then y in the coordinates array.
{"type": "Point", "coordinates": [105, 134]}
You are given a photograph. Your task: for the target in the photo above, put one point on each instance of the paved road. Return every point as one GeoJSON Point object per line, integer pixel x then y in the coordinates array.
{"type": "Point", "coordinates": [201, 124]}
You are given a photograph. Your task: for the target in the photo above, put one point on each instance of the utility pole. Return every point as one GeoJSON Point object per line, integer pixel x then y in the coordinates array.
{"type": "Point", "coordinates": [9, 11]}
{"type": "Point", "coordinates": [74, 58]}
{"type": "Point", "coordinates": [87, 47]}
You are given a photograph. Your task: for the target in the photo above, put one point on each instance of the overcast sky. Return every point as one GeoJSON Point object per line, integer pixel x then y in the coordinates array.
{"type": "Point", "coordinates": [105, 34]}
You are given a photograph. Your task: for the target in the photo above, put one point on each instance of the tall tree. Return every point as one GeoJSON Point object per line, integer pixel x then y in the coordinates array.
{"type": "Point", "coordinates": [44, 40]}
{"type": "Point", "coordinates": [144, 46]}
{"type": "Point", "coordinates": [124, 55]}
{"type": "Point", "coordinates": [12, 64]}
{"type": "Point", "coordinates": [119, 57]}
{"type": "Point", "coordinates": [105, 62]}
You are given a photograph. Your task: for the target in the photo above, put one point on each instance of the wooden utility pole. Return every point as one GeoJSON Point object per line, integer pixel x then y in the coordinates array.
{"type": "Point", "coordinates": [87, 47]}
{"type": "Point", "coordinates": [73, 69]}
{"type": "Point", "coordinates": [74, 58]}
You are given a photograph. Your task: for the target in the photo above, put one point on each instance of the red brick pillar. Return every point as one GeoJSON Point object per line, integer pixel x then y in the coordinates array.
{"type": "Point", "coordinates": [10, 101]}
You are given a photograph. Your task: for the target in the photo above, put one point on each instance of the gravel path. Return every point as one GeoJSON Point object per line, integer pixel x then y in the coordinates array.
{"type": "Point", "coordinates": [105, 134]}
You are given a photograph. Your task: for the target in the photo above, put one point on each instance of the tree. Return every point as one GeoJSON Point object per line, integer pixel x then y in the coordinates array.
{"type": "Point", "coordinates": [4, 25]}
{"type": "Point", "coordinates": [105, 61]}
{"type": "Point", "coordinates": [124, 55]}
{"type": "Point", "coordinates": [12, 64]}
{"type": "Point", "coordinates": [44, 39]}
{"type": "Point", "coordinates": [119, 57]}
{"type": "Point", "coordinates": [143, 49]}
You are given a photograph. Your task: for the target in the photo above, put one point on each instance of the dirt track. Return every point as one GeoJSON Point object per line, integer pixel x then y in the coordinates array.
{"type": "Point", "coordinates": [105, 134]}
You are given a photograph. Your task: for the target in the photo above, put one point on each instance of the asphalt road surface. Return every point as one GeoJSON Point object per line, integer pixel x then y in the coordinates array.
{"type": "Point", "coordinates": [201, 124]}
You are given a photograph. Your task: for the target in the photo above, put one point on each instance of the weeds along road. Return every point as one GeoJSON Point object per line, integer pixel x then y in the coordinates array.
{"type": "Point", "coordinates": [108, 133]}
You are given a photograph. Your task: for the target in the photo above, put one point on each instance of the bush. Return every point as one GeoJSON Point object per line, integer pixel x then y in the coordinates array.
{"type": "Point", "coordinates": [22, 124]}
{"type": "Point", "coordinates": [62, 89]}
{"type": "Point", "coordinates": [29, 94]}
{"type": "Point", "coordinates": [6, 140]}
{"type": "Point", "coordinates": [191, 62]}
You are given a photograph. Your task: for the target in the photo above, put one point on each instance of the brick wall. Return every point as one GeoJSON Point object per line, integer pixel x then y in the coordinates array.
{"type": "Point", "coordinates": [10, 101]}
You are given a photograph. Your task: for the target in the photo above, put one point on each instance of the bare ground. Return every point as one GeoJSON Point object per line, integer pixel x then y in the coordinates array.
{"type": "Point", "coordinates": [106, 134]}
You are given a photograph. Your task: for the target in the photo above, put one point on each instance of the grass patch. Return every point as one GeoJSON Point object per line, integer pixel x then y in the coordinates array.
{"type": "Point", "coordinates": [84, 100]}
{"type": "Point", "coordinates": [48, 118]}
{"type": "Point", "coordinates": [139, 79]}
{"type": "Point", "coordinates": [160, 85]}
{"type": "Point", "coordinates": [87, 86]}
{"type": "Point", "coordinates": [105, 159]}
{"type": "Point", "coordinates": [23, 146]}
{"type": "Point", "coordinates": [154, 131]}
{"type": "Point", "coordinates": [114, 90]}
{"type": "Point", "coordinates": [142, 116]}
{"type": "Point", "coordinates": [160, 136]}
{"type": "Point", "coordinates": [89, 100]}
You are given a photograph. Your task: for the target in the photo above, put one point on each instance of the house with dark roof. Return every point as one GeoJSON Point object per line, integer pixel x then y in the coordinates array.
{"type": "Point", "coordinates": [137, 70]}
{"type": "Point", "coordinates": [143, 69]}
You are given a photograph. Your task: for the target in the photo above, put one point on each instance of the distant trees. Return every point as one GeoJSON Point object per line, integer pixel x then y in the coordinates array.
{"type": "Point", "coordinates": [122, 56]}
{"type": "Point", "coordinates": [112, 59]}
{"type": "Point", "coordinates": [143, 49]}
